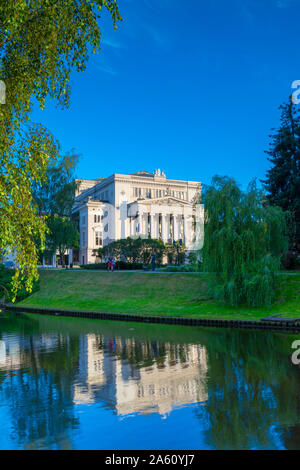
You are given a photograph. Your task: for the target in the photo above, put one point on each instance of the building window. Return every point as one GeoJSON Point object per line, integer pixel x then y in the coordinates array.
{"type": "Point", "coordinates": [138, 192]}
{"type": "Point", "coordinates": [83, 220]}
{"type": "Point", "coordinates": [95, 218]}
{"type": "Point", "coordinates": [83, 238]}
{"type": "Point", "coordinates": [98, 238]}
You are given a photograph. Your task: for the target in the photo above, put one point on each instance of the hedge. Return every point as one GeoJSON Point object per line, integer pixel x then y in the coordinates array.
{"type": "Point", "coordinates": [120, 265]}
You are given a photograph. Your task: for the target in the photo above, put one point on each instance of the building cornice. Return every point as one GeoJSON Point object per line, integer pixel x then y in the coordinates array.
{"type": "Point", "coordinates": [154, 179]}
{"type": "Point", "coordinates": [144, 181]}
{"type": "Point", "coordinates": [168, 200]}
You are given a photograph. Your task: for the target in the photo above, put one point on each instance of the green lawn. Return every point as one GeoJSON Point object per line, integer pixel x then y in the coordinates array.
{"type": "Point", "coordinates": [176, 294]}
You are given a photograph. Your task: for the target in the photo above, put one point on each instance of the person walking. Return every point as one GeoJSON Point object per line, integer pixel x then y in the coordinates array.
{"type": "Point", "coordinates": [153, 262]}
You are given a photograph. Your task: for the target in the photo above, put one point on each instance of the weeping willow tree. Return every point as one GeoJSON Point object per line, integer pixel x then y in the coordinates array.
{"type": "Point", "coordinates": [244, 240]}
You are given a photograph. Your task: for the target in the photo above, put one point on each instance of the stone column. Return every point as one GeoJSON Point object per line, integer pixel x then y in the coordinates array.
{"type": "Point", "coordinates": [144, 223]}
{"type": "Point", "coordinates": [175, 227]}
{"type": "Point", "coordinates": [152, 222]}
{"type": "Point", "coordinates": [131, 228]}
{"type": "Point", "coordinates": [168, 226]}
{"type": "Point", "coordinates": [185, 230]}
{"type": "Point", "coordinates": [139, 224]}
{"type": "Point", "coordinates": [178, 222]}
{"type": "Point", "coordinates": [188, 229]}
{"type": "Point", "coordinates": [180, 231]}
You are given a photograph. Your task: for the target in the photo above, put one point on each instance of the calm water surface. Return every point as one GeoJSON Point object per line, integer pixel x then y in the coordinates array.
{"type": "Point", "coordinates": [83, 384]}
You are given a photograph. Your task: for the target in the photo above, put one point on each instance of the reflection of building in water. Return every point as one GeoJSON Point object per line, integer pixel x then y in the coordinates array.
{"type": "Point", "coordinates": [91, 373]}
{"type": "Point", "coordinates": [17, 351]}
{"type": "Point", "coordinates": [11, 355]}
{"type": "Point", "coordinates": [156, 383]}
{"type": "Point", "coordinates": [162, 387]}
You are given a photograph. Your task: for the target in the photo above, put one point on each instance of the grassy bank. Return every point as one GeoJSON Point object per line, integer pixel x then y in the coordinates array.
{"type": "Point", "coordinates": [173, 294]}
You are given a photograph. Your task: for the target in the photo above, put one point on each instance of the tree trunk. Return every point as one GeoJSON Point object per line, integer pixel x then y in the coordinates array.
{"type": "Point", "coordinates": [62, 257]}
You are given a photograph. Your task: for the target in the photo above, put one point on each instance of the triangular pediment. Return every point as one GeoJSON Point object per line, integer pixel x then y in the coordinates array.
{"type": "Point", "coordinates": [165, 200]}
{"type": "Point", "coordinates": [141, 173]}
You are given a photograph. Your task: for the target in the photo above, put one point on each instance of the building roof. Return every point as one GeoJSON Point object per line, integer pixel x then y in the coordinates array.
{"type": "Point", "coordinates": [141, 173]}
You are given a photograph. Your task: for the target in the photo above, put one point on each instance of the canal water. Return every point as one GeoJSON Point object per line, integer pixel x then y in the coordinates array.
{"type": "Point", "coordinates": [85, 384]}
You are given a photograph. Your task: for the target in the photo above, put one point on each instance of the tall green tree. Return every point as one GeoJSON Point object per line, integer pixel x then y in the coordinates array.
{"type": "Point", "coordinates": [176, 252]}
{"type": "Point", "coordinates": [283, 178]}
{"type": "Point", "coordinates": [55, 199]}
{"type": "Point", "coordinates": [243, 243]}
{"type": "Point", "coordinates": [149, 247]}
{"type": "Point", "coordinates": [41, 42]}
{"type": "Point", "coordinates": [62, 235]}
{"type": "Point", "coordinates": [56, 195]}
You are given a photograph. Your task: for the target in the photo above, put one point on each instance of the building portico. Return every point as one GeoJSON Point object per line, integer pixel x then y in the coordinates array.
{"type": "Point", "coordinates": [167, 219]}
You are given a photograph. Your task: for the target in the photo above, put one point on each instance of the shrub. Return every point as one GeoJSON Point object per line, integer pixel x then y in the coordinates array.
{"type": "Point", "coordinates": [123, 265]}
{"type": "Point", "coordinates": [120, 265]}
{"type": "Point", "coordinates": [189, 268]}
{"type": "Point", "coordinates": [133, 250]}
{"type": "Point", "coordinates": [192, 257]}
{"type": "Point", "coordinates": [94, 266]}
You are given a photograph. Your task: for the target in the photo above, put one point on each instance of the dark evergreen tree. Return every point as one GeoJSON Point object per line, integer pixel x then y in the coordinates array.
{"type": "Point", "coordinates": [283, 178]}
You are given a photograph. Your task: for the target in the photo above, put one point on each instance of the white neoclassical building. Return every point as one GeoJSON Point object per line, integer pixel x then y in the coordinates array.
{"type": "Point", "coordinates": [140, 204]}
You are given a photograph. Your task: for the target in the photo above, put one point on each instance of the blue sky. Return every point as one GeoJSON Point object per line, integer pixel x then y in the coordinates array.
{"type": "Point", "coordinates": [190, 87]}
